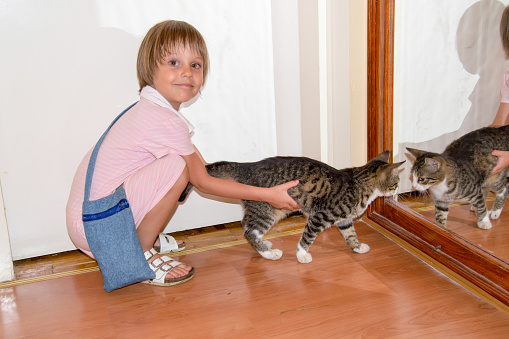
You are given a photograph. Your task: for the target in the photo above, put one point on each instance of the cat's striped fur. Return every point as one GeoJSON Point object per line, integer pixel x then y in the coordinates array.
{"type": "Point", "coordinates": [463, 173]}
{"type": "Point", "coordinates": [326, 196]}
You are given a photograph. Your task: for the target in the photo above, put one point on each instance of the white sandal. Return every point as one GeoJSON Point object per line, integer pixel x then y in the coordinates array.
{"type": "Point", "coordinates": [161, 267]}
{"type": "Point", "coordinates": [168, 244]}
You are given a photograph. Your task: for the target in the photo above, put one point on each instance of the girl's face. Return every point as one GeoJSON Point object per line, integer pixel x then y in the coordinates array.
{"type": "Point", "coordinates": [179, 76]}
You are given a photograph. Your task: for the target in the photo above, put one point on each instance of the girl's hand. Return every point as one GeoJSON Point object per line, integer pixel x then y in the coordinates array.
{"type": "Point", "coordinates": [279, 197]}
{"type": "Point", "coordinates": [503, 161]}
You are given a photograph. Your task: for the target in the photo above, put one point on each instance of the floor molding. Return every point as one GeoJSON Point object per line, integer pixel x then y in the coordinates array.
{"type": "Point", "coordinates": [181, 253]}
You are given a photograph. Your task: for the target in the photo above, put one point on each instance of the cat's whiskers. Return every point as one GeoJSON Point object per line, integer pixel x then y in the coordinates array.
{"type": "Point", "coordinates": [402, 198]}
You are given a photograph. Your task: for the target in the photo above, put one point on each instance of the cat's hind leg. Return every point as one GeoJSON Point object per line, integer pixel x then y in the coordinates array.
{"type": "Point", "coordinates": [500, 189]}
{"type": "Point", "coordinates": [348, 231]}
{"type": "Point", "coordinates": [479, 204]}
{"type": "Point", "coordinates": [316, 223]}
{"type": "Point", "coordinates": [258, 219]}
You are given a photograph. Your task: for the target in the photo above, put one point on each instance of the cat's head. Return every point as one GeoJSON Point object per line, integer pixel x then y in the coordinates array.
{"type": "Point", "coordinates": [428, 169]}
{"type": "Point", "coordinates": [387, 174]}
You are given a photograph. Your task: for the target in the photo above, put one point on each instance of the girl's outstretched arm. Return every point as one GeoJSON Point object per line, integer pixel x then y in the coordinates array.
{"type": "Point", "coordinates": [277, 196]}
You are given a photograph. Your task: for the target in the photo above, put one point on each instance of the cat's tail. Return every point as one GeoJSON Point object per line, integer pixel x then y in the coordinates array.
{"type": "Point", "coordinates": [222, 169]}
{"type": "Point", "coordinates": [186, 191]}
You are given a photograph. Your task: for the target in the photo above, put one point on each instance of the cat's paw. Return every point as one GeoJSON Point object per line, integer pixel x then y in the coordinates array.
{"type": "Point", "coordinates": [485, 224]}
{"type": "Point", "coordinates": [274, 254]}
{"type": "Point", "coordinates": [304, 257]}
{"type": "Point", "coordinates": [363, 248]}
{"type": "Point", "coordinates": [268, 244]}
{"type": "Point", "coordinates": [494, 214]}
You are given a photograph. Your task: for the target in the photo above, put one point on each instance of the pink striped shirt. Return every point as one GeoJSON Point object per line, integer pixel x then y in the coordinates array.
{"type": "Point", "coordinates": [145, 133]}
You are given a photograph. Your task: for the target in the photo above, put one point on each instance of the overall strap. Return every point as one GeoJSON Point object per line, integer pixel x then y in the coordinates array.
{"type": "Point", "coordinates": [93, 157]}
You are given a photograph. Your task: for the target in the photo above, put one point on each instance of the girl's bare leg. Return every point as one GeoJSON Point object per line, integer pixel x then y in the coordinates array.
{"type": "Point", "coordinates": [154, 221]}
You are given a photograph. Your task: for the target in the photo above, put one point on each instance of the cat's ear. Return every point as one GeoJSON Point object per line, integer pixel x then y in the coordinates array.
{"type": "Point", "coordinates": [394, 168]}
{"type": "Point", "coordinates": [417, 153]}
{"type": "Point", "coordinates": [433, 163]}
{"type": "Point", "coordinates": [389, 169]}
{"type": "Point", "coordinates": [384, 156]}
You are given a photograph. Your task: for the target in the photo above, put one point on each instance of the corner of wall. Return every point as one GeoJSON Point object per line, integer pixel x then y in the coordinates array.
{"type": "Point", "coordinates": [6, 265]}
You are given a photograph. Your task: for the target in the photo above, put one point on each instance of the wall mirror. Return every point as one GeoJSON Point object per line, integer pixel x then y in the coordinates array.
{"type": "Point", "coordinates": [432, 77]}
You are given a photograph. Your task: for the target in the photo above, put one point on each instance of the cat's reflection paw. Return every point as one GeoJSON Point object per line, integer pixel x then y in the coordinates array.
{"type": "Point", "coordinates": [274, 254]}
{"type": "Point", "coordinates": [363, 248]}
{"type": "Point", "coordinates": [485, 224]}
{"type": "Point", "coordinates": [494, 214]}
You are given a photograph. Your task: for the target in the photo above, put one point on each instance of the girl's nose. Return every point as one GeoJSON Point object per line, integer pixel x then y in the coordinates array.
{"type": "Point", "coordinates": [186, 72]}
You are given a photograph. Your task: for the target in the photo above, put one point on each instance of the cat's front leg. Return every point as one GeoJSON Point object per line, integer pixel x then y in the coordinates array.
{"type": "Point", "coordinates": [348, 231]}
{"type": "Point", "coordinates": [441, 212]}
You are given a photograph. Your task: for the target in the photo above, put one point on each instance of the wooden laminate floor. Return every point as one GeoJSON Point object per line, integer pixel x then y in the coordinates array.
{"type": "Point", "coordinates": [385, 293]}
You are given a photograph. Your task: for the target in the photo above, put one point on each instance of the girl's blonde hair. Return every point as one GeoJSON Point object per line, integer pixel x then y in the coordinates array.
{"type": "Point", "coordinates": [166, 37]}
{"type": "Point", "coordinates": [504, 31]}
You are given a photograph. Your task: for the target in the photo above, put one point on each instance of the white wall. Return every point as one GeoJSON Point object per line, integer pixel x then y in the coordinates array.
{"type": "Point", "coordinates": [449, 64]}
{"type": "Point", "coordinates": [72, 69]}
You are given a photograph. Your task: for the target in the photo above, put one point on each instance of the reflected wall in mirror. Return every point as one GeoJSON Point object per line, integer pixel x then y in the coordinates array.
{"type": "Point", "coordinates": [447, 81]}
{"type": "Point", "coordinates": [434, 73]}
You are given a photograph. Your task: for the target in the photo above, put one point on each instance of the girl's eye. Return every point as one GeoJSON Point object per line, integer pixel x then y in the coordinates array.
{"type": "Point", "coordinates": [173, 63]}
{"type": "Point", "coordinates": [197, 66]}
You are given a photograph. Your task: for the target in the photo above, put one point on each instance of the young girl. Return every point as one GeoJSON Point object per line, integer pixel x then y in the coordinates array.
{"type": "Point", "coordinates": [149, 149]}
{"type": "Point", "coordinates": [502, 117]}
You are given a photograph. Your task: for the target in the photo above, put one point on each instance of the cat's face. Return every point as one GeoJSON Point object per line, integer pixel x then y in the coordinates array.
{"type": "Point", "coordinates": [426, 176]}
{"type": "Point", "coordinates": [388, 177]}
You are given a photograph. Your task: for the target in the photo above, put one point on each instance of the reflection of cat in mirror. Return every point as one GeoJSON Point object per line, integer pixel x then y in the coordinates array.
{"type": "Point", "coordinates": [326, 196]}
{"type": "Point", "coordinates": [463, 173]}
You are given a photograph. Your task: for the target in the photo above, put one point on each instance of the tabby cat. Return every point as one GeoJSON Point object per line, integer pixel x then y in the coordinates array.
{"type": "Point", "coordinates": [463, 172]}
{"type": "Point", "coordinates": [326, 196]}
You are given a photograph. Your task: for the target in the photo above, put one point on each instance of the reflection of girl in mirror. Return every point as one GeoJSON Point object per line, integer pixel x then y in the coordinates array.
{"type": "Point", "coordinates": [502, 117]}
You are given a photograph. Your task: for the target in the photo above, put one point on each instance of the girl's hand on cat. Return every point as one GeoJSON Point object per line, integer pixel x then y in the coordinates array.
{"type": "Point", "coordinates": [279, 197]}
{"type": "Point", "coordinates": [503, 161]}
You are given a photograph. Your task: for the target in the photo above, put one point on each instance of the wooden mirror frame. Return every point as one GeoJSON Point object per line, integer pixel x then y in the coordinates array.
{"type": "Point", "coordinates": [474, 264]}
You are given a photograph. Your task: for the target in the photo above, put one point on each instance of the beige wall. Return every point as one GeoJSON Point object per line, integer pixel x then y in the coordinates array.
{"type": "Point", "coordinates": [358, 82]}
{"type": "Point", "coordinates": [346, 83]}
{"type": "Point", "coordinates": [309, 75]}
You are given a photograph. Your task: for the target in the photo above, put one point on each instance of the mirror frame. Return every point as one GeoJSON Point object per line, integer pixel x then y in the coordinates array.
{"type": "Point", "coordinates": [451, 250]}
